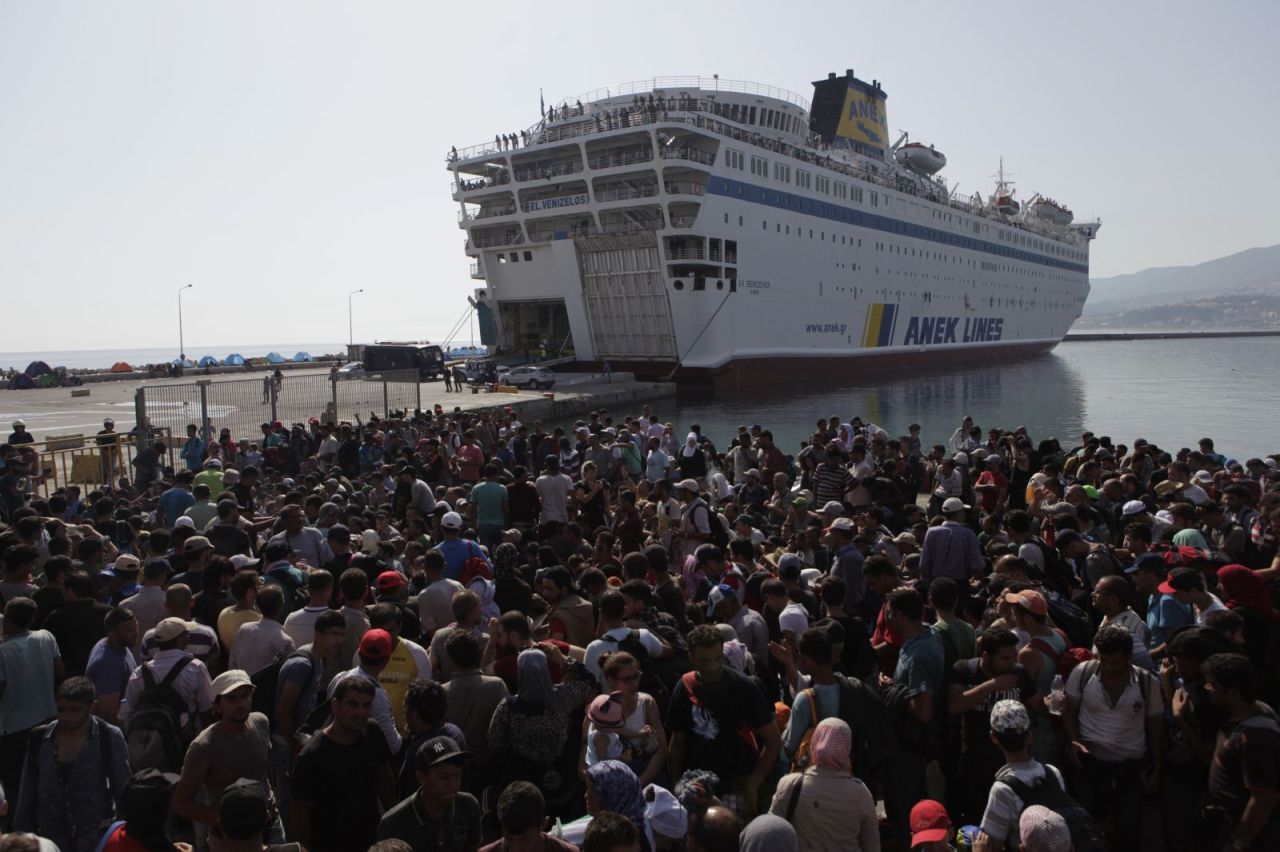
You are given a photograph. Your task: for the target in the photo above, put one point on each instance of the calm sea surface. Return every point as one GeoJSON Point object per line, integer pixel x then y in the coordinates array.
{"type": "Point", "coordinates": [1172, 392]}
{"type": "Point", "coordinates": [103, 358]}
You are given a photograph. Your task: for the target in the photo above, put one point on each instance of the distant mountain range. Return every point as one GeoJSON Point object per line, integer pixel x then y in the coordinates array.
{"type": "Point", "coordinates": [1238, 291]}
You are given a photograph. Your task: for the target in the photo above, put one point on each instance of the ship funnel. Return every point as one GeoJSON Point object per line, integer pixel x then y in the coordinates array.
{"type": "Point", "coordinates": [831, 75]}
{"type": "Point", "coordinates": [848, 72]}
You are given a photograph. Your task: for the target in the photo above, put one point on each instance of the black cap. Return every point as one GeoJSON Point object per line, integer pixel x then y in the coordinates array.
{"type": "Point", "coordinates": [338, 532]}
{"type": "Point", "coordinates": [242, 809]}
{"type": "Point", "coordinates": [1067, 537]}
{"type": "Point", "coordinates": [439, 750]}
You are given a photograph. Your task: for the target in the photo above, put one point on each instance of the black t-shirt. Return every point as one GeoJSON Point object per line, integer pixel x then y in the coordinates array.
{"type": "Point", "coordinates": [716, 730]}
{"type": "Point", "coordinates": [340, 782]}
{"type": "Point", "coordinates": [77, 626]}
{"type": "Point", "coordinates": [975, 744]}
{"type": "Point", "coordinates": [1247, 757]}
{"type": "Point", "coordinates": [227, 540]}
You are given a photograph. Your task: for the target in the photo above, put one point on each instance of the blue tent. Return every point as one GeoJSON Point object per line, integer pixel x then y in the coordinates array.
{"type": "Point", "coordinates": [183, 363]}
{"type": "Point", "coordinates": [302, 356]}
{"type": "Point", "coordinates": [275, 358]}
{"type": "Point", "coordinates": [235, 359]}
{"type": "Point", "coordinates": [208, 361]}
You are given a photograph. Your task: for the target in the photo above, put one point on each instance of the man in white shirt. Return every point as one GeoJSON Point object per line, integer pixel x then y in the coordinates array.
{"type": "Point", "coordinates": [308, 542]}
{"type": "Point", "coordinates": [553, 489]}
{"type": "Point", "coordinates": [1114, 721]}
{"type": "Point", "coordinates": [435, 602]}
{"type": "Point", "coordinates": [192, 684]}
{"type": "Point", "coordinates": [374, 652]}
{"type": "Point", "coordinates": [1010, 730]}
{"type": "Point", "coordinates": [614, 634]}
{"type": "Point", "coordinates": [1111, 598]}
{"type": "Point", "coordinates": [258, 643]}
{"type": "Point", "coordinates": [148, 604]}
{"type": "Point", "coordinates": [300, 624]}
{"type": "Point", "coordinates": [202, 641]}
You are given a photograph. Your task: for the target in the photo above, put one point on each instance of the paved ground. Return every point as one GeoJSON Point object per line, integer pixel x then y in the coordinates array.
{"type": "Point", "coordinates": [54, 411]}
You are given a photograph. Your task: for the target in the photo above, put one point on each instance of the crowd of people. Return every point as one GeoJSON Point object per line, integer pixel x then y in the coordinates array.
{"type": "Point", "coordinates": [446, 631]}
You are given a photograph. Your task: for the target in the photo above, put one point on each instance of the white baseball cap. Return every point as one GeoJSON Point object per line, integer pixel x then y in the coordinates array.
{"type": "Point", "coordinates": [954, 504]}
{"type": "Point", "coordinates": [451, 521]}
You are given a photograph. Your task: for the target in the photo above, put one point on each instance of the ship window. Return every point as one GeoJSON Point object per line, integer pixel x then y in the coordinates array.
{"type": "Point", "coordinates": [515, 257]}
{"type": "Point", "coordinates": [528, 255]}
{"type": "Point", "coordinates": [751, 116]}
{"type": "Point", "coordinates": [699, 283]}
{"type": "Point", "coordinates": [678, 284]}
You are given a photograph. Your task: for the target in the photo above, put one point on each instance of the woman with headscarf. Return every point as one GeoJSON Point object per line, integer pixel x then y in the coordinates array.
{"type": "Point", "coordinates": [1249, 597]}
{"type": "Point", "coordinates": [327, 516]}
{"type": "Point", "coordinates": [529, 731]}
{"type": "Point", "coordinates": [769, 833]}
{"type": "Point", "coordinates": [613, 787]}
{"type": "Point", "coordinates": [510, 591]}
{"type": "Point", "coordinates": [691, 460]}
{"type": "Point", "coordinates": [829, 807]}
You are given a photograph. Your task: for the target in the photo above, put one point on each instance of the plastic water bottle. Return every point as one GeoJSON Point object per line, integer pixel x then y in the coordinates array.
{"type": "Point", "coordinates": [1057, 696]}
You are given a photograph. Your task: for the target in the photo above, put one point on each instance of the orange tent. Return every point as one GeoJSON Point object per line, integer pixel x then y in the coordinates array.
{"type": "Point", "coordinates": [121, 367]}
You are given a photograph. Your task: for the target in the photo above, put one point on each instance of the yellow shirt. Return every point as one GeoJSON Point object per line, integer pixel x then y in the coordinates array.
{"type": "Point", "coordinates": [230, 620]}
{"type": "Point", "coordinates": [211, 477]}
{"type": "Point", "coordinates": [401, 670]}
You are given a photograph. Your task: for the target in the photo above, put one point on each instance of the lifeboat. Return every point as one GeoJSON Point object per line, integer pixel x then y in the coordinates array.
{"type": "Point", "coordinates": [1005, 205]}
{"type": "Point", "coordinates": [1052, 211]}
{"type": "Point", "coordinates": [920, 158]}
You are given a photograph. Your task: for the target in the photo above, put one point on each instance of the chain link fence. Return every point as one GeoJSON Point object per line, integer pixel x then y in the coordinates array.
{"type": "Point", "coordinates": [243, 405]}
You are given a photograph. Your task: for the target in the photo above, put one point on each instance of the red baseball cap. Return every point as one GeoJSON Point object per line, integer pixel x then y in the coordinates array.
{"type": "Point", "coordinates": [388, 580]}
{"type": "Point", "coordinates": [929, 822]}
{"type": "Point", "coordinates": [1028, 599]}
{"type": "Point", "coordinates": [375, 644]}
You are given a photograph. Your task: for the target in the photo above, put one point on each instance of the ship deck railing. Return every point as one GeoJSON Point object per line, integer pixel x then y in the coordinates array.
{"type": "Point", "coordinates": [485, 213]}
{"type": "Point", "coordinates": [700, 113]}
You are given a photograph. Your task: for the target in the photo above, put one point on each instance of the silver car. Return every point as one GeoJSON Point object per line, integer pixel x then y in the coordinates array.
{"type": "Point", "coordinates": [532, 377]}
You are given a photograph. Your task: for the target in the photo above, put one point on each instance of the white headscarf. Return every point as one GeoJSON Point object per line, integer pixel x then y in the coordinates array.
{"type": "Point", "coordinates": [690, 445]}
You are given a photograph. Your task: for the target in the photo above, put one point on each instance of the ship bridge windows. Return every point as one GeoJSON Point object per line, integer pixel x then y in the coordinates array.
{"type": "Point", "coordinates": [760, 167]}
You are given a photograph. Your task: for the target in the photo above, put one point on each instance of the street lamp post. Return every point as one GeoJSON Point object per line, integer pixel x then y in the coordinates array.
{"type": "Point", "coordinates": [182, 346]}
{"type": "Point", "coordinates": [351, 339]}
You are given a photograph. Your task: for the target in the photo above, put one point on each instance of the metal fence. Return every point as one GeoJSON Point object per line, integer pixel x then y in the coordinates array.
{"type": "Point", "coordinates": [88, 461]}
{"type": "Point", "coordinates": [243, 405]}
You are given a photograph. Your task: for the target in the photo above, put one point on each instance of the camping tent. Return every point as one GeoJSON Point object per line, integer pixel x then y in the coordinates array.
{"type": "Point", "coordinates": [208, 361]}
{"type": "Point", "coordinates": [275, 358]}
{"type": "Point", "coordinates": [235, 359]}
{"type": "Point", "coordinates": [302, 357]}
{"type": "Point", "coordinates": [184, 362]}
{"type": "Point", "coordinates": [37, 368]}
{"type": "Point", "coordinates": [21, 381]}
{"type": "Point", "coordinates": [121, 367]}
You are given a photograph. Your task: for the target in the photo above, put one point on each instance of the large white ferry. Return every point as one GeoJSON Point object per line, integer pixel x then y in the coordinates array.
{"type": "Point", "coordinates": [723, 231]}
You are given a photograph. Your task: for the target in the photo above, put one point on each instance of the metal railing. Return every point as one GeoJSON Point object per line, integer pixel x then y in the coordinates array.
{"type": "Point", "coordinates": [465, 216]}
{"type": "Point", "coordinates": [88, 461]}
{"type": "Point", "coordinates": [545, 172]}
{"type": "Point", "coordinates": [627, 193]}
{"type": "Point", "coordinates": [693, 155]}
{"type": "Point", "coordinates": [683, 221]}
{"type": "Point", "coordinates": [620, 158]}
{"type": "Point", "coordinates": [240, 407]}
{"type": "Point", "coordinates": [499, 179]}
{"type": "Point", "coordinates": [680, 187]}
{"type": "Point", "coordinates": [475, 271]}
{"type": "Point", "coordinates": [696, 252]}
{"type": "Point", "coordinates": [512, 237]}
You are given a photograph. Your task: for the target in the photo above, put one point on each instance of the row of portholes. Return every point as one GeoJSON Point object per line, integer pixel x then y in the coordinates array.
{"type": "Point", "coordinates": [698, 284]}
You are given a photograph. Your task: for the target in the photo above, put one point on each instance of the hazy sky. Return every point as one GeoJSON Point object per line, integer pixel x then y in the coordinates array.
{"type": "Point", "coordinates": [280, 154]}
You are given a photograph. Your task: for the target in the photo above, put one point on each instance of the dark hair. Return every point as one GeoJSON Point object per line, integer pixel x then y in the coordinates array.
{"type": "Point", "coordinates": [244, 582]}
{"type": "Point", "coordinates": [1113, 639]}
{"type": "Point", "coordinates": [943, 593]}
{"type": "Point", "coordinates": [635, 566]}
{"type": "Point", "coordinates": [463, 603]}
{"type": "Point", "coordinates": [463, 648]}
{"type": "Point", "coordinates": [1233, 671]}
{"type": "Point", "coordinates": [816, 644]}
{"type": "Point", "coordinates": [879, 565]}
{"type": "Point", "coordinates": [22, 612]}
{"type": "Point", "coordinates": [1017, 521]}
{"type": "Point", "coordinates": [1012, 740]}
{"type": "Point", "coordinates": [271, 602]}
{"type": "Point", "coordinates": [22, 556]}
{"type": "Point", "coordinates": [362, 685]}
{"type": "Point", "coordinates": [908, 602]}
{"type": "Point", "coordinates": [77, 690]}
{"type": "Point", "coordinates": [380, 615]}
{"type": "Point", "coordinates": [427, 698]}
{"type": "Point", "coordinates": [608, 831]}
{"type": "Point", "coordinates": [329, 620]}
{"type": "Point", "coordinates": [995, 638]}
{"type": "Point", "coordinates": [773, 587]}
{"type": "Point", "coordinates": [613, 662]}
{"type": "Point", "coordinates": [559, 575]}
{"type": "Point", "coordinates": [319, 581]}
{"type": "Point", "coordinates": [705, 636]}
{"type": "Point", "coordinates": [354, 585]}
{"type": "Point", "coordinates": [515, 621]}
{"type": "Point", "coordinates": [1225, 621]}
{"type": "Point", "coordinates": [521, 808]}
{"type": "Point", "coordinates": [79, 582]}
{"type": "Point", "coordinates": [833, 590]}
{"type": "Point", "coordinates": [115, 617]}
{"type": "Point", "coordinates": [612, 604]}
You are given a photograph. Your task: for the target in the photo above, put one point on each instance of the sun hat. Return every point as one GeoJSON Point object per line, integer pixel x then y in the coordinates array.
{"type": "Point", "coordinates": [605, 711]}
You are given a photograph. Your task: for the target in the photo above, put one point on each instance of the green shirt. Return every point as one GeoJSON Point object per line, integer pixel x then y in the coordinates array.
{"type": "Point", "coordinates": [959, 642]}
{"type": "Point", "coordinates": [488, 498]}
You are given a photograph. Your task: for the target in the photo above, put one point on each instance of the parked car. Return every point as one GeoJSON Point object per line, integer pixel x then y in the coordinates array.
{"type": "Point", "coordinates": [532, 376]}
{"type": "Point", "coordinates": [351, 370]}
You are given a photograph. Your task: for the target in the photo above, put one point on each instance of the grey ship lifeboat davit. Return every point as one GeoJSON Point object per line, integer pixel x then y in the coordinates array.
{"type": "Point", "coordinates": [920, 158]}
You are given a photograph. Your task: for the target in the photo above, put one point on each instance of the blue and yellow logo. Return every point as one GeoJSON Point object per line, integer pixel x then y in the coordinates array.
{"type": "Point", "coordinates": [864, 119]}
{"type": "Point", "coordinates": [878, 329]}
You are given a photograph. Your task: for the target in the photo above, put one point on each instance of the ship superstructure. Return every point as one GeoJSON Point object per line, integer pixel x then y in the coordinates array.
{"type": "Point", "coordinates": [723, 230]}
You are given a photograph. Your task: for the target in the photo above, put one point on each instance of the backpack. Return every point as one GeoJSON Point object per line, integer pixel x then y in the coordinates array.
{"type": "Point", "coordinates": [655, 678]}
{"type": "Point", "coordinates": [295, 596]}
{"type": "Point", "coordinates": [266, 681]}
{"type": "Point", "coordinates": [719, 535]}
{"type": "Point", "coordinates": [1070, 619]}
{"type": "Point", "coordinates": [1067, 660]}
{"type": "Point", "coordinates": [1085, 836]}
{"type": "Point", "coordinates": [154, 735]}
{"type": "Point", "coordinates": [1056, 573]}
{"type": "Point", "coordinates": [1089, 669]}
{"type": "Point", "coordinates": [800, 760]}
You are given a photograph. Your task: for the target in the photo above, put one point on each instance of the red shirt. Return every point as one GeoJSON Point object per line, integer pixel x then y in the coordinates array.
{"type": "Point", "coordinates": [988, 498]}
{"type": "Point", "coordinates": [470, 459]}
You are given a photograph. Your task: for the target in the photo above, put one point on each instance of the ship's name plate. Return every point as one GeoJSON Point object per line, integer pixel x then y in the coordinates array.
{"type": "Point", "coordinates": [562, 201]}
{"type": "Point", "coordinates": [750, 284]}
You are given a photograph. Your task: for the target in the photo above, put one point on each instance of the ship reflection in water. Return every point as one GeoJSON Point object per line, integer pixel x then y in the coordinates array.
{"type": "Point", "coordinates": [1045, 393]}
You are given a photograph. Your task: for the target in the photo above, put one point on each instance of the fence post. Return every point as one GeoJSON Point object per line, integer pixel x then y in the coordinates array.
{"type": "Point", "coordinates": [417, 386]}
{"type": "Point", "coordinates": [386, 399]}
{"type": "Point", "coordinates": [206, 430]}
{"type": "Point", "coordinates": [274, 397]}
{"type": "Point", "coordinates": [333, 384]}
{"type": "Point", "coordinates": [140, 405]}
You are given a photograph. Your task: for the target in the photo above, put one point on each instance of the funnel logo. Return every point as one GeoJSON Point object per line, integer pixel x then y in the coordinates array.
{"type": "Point", "coordinates": [878, 329]}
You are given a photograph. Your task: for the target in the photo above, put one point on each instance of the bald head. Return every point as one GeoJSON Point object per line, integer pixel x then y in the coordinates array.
{"type": "Point", "coordinates": [717, 830]}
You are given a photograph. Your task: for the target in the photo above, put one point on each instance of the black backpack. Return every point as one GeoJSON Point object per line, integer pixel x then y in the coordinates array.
{"type": "Point", "coordinates": [719, 535]}
{"type": "Point", "coordinates": [1085, 836]}
{"type": "Point", "coordinates": [154, 734]}
{"type": "Point", "coordinates": [1071, 619]}
{"type": "Point", "coordinates": [657, 675]}
{"type": "Point", "coordinates": [266, 681]}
